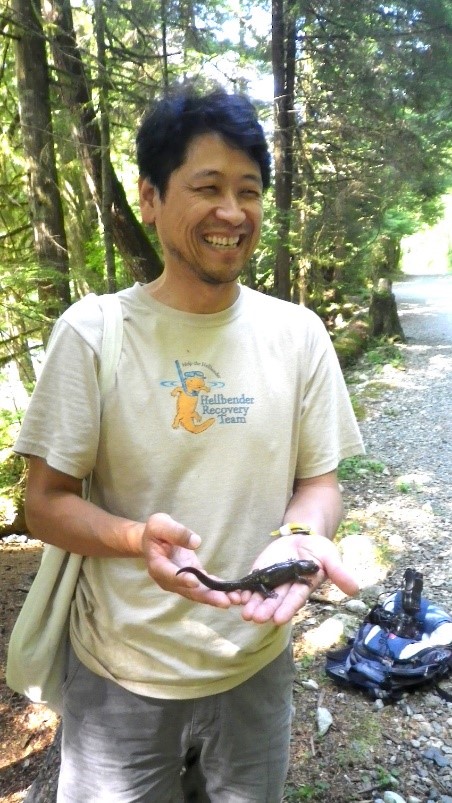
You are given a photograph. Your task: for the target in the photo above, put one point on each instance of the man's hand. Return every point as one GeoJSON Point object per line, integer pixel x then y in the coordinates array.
{"type": "Point", "coordinates": [169, 546]}
{"type": "Point", "coordinates": [292, 596]}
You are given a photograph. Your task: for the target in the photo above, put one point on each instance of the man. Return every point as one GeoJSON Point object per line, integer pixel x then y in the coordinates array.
{"type": "Point", "coordinates": [228, 418]}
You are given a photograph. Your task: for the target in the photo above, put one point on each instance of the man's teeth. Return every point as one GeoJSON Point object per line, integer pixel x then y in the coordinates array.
{"type": "Point", "coordinates": [223, 242]}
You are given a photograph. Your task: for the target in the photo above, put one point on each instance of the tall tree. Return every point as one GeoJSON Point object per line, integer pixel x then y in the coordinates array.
{"type": "Point", "coordinates": [283, 62]}
{"type": "Point", "coordinates": [106, 171]}
{"type": "Point", "coordinates": [138, 253]}
{"type": "Point", "coordinates": [37, 136]}
{"type": "Point", "coordinates": [374, 136]}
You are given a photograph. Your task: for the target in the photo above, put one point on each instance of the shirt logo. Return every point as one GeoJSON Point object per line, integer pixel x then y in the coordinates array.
{"type": "Point", "coordinates": [187, 395]}
{"type": "Point", "coordinates": [196, 398]}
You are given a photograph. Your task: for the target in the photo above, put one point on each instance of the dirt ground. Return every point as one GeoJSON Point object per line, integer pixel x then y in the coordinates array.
{"type": "Point", "coordinates": [25, 730]}
{"type": "Point", "coordinates": [357, 757]}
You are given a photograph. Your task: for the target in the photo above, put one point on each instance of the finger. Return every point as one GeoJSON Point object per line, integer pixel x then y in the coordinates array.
{"type": "Point", "coordinates": [327, 554]}
{"type": "Point", "coordinates": [165, 574]}
{"type": "Point", "coordinates": [207, 596]}
{"type": "Point", "coordinates": [342, 578]}
{"type": "Point", "coordinates": [235, 597]}
{"type": "Point", "coordinates": [261, 610]}
{"type": "Point", "coordinates": [291, 603]}
{"type": "Point", "coordinates": [283, 607]}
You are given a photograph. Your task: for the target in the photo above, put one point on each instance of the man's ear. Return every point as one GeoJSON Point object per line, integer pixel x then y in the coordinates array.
{"type": "Point", "coordinates": [148, 195]}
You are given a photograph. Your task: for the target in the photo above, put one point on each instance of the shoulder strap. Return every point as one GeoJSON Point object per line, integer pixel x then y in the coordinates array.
{"type": "Point", "coordinates": [111, 341]}
{"type": "Point", "coordinates": [110, 352]}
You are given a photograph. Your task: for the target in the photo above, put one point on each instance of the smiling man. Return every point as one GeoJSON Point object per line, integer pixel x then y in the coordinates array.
{"type": "Point", "coordinates": [227, 421]}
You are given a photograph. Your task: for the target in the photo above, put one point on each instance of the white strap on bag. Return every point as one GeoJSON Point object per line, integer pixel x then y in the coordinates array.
{"type": "Point", "coordinates": [111, 341]}
{"type": "Point", "coordinates": [37, 650]}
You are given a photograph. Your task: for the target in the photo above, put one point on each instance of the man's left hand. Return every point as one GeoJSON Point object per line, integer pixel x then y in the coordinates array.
{"type": "Point", "coordinates": [292, 596]}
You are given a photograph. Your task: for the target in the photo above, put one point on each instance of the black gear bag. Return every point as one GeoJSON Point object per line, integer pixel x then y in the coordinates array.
{"type": "Point", "coordinates": [402, 644]}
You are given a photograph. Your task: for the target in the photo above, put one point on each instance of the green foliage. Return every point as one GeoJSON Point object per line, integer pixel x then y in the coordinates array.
{"type": "Point", "coordinates": [12, 466]}
{"type": "Point", "coordinates": [371, 155]}
{"type": "Point", "coordinates": [350, 341]}
{"type": "Point", "coordinates": [305, 662]}
{"type": "Point", "coordinates": [260, 272]}
{"type": "Point", "coordinates": [363, 737]}
{"type": "Point", "coordinates": [354, 467]}
{"type": "Point", "coordinates": [369, 173]}
{"type": "Point", "coordinates": [403, 487]}
{"type": "Point", "coordinates": [407, 485]}
{"type": "Point", "coordinates": [385, 353]}
{"type": "Point", "coordinates": [358, 408]}
{"type": "Point", "coordinates": [348, 527]}
{"type": "Point", "coordinates": [306, 792]}
{"type": "Point", "coordinates": [12, 471]}
{"type": "Point", "coordinates": [9, 423]}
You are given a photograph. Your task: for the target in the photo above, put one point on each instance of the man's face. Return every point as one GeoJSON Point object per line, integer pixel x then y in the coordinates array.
{"type": "Point", "coordinates": [209, 223]}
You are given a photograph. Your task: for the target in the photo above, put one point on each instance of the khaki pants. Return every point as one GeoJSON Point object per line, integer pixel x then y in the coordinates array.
{"type": "Point", "coordinates": [120, 747]}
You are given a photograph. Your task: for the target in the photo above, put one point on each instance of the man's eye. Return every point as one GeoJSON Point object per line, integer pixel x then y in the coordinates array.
{"type": "Point", "coordinates": [249, 193]}
{"type": "Point", "coordinates": [206, 188]}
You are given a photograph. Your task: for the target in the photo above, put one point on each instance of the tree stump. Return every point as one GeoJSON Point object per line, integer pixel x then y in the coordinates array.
{"type": "Point", "coordinates": [383, 316]}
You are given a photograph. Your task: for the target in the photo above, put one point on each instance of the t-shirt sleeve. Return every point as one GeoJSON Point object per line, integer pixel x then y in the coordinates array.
{"type": "Point", "coordinates": [329, 431]}
{"type": "Point", "coordinates": [62, 422]}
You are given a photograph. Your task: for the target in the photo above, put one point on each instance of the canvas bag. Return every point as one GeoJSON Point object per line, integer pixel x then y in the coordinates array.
{"type": "Point", "coordinates": [37, 650]}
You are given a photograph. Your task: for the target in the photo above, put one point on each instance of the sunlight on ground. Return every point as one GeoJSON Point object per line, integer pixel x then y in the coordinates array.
{"type": "Point", "coordinates": [370, 554]}
{"type": "Point", "coordinates": [360, 556]}
{"type": "Point", "coordinates": [325, 635]}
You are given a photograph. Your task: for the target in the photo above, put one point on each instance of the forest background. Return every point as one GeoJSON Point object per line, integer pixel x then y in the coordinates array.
{"type": "Point", "coordinates": [355, 98]}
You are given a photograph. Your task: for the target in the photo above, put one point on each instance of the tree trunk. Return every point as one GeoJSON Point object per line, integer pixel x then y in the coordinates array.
{"type": "Point", "coordinates": [130, 238]}
{"type": "Point", "coordinates": [107, 188]}
{"type": "Point", "coordinates": [383, 316]}
{"type": "Point", "coordinates": [16, 343]}
{"type": "Point", "coordinates": [37, 136]}
{"type": "Point", "coordinates": [163, 17]}
{"type": "Point", "coordinates": [283, 61]}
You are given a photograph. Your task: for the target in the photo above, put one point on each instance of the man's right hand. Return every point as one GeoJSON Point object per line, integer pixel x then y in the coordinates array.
{"type": "Point", "coordinates": [169, 546]}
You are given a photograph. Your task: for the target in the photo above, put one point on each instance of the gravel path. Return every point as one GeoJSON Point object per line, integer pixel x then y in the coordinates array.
{"type": "Point", "coordinates": [405, 496]}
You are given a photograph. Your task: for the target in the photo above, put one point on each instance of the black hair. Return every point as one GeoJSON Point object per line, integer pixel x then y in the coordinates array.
{"type": "Point", "coordinates": [169, 127]}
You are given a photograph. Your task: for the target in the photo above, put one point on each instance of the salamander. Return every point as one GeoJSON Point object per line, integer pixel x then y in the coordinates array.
{"type": "Point", "coordinates": [262, 580]}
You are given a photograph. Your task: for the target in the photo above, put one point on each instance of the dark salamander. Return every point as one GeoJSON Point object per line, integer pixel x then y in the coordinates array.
{"type": "Point", "coordinates": [262, 580]}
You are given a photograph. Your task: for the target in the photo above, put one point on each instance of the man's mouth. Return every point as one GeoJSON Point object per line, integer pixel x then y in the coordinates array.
{"type": "Point", "coordinates": [222, 242]}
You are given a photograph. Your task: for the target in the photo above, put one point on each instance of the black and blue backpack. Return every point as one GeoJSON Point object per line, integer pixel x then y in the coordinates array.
{"type": "Point", "coordinates": [403, 643]}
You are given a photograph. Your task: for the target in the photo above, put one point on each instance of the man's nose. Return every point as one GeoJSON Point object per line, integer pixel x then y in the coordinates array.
{"type": "Point", "coordinates": [230, 210]}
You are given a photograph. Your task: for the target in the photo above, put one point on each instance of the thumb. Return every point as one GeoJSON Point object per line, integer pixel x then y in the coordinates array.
{"type": "Point", "coordinates": [162, 529]}
{"type": "Point", "coordinates": [340, 576]}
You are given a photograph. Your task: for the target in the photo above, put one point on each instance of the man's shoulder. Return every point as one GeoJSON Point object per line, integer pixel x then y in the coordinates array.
{"type": "Point", "coordinates": [88, 312]}
{"type": "Point", "coordinates": [85, 311]}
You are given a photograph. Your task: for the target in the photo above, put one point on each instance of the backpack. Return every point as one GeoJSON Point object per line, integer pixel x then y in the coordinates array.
{"type": "Point", "coordinates": [403, 644]}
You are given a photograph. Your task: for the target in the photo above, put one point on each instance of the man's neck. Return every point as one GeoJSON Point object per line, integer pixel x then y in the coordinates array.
{"type": "Point", "coordinates": [200, 298]}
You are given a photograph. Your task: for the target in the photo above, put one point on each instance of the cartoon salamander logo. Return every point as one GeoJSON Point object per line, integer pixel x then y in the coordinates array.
{"type": "Point", "coordinates": [187, 394]}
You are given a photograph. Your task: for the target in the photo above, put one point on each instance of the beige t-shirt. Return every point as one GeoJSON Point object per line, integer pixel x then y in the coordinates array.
{"type": "Point", "coordinates": [211, 419]}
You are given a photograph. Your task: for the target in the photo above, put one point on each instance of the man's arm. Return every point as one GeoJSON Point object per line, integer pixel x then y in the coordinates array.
{"type": "Point", "coordinates": [317, 503]}
{"type": "Point", "coordinates": [57, 514]}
